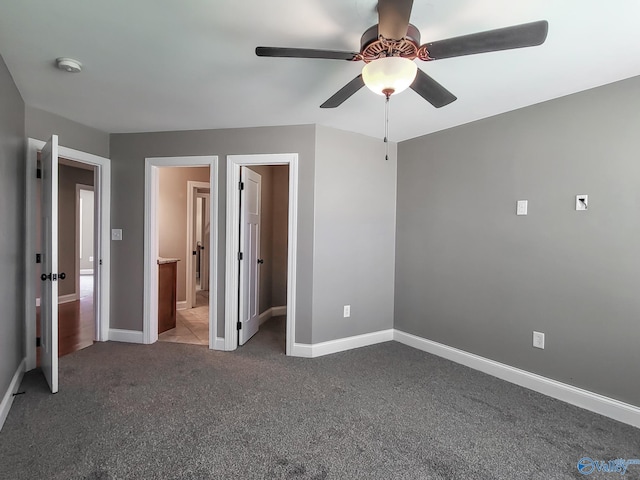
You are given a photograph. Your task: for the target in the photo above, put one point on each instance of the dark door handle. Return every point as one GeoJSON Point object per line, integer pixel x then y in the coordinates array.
{"type": "Point", "coordinates": [44, 277]}
{"type": "Point", "coordinates": [62, 276]}
{"type": "Point", "coordinates": [260, 261]}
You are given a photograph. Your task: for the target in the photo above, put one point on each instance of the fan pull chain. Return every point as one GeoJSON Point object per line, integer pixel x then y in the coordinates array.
{"type": "Point", "coordinates": [386, 127]}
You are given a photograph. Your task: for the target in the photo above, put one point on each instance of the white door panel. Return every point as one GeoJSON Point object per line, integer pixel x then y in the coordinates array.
{"type": "Point", "coordinates": [49, 295]}
{"type": "Point", "coordinates": [250, 248]}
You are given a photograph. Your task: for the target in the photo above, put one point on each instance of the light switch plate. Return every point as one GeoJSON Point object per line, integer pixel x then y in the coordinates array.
{"type": "Point", "coordinates": [521, 207]}
{"type": "Point", "coordinates": [538, 340]}
{"type": "Point", "coordinates": [582, 202]}
{"type": "Point", "coordinates": [116, 234]}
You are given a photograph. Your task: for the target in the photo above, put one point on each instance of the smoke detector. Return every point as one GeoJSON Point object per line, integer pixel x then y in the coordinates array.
{"type": "Point", "coordinates": [68, 65]}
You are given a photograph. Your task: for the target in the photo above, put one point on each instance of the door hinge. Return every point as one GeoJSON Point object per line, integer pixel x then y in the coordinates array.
{"type": "Point", "coordinates": [239, 255]}
{"type": "Point", "coordinates": [38, 258]}
{"type": "Point", "coordinates": [39, 173]}
{"type": "Point", "coordinates": [100, 263]}
{"type": "Point", "coordinates": [239, 325]}
{"type": "Point", "coordinates": [54, 277]}
{"type": "Point", "coordinates": [38, 342]}
{"type": "Point", "coordinates": [241, 186]}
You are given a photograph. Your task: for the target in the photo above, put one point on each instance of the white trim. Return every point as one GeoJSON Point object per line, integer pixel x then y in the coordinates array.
{"type": "Point", "coordinates": [342, 344]}
{"type": "Point", "coordinates": [302, 350]}
{"type": "Point", "coordinates": [234, 162]}
{"type": "Point", "coordinates": [71, 297]}
{"type": "Point", "coordinates": [86, 271]}
{"type": "Point", "coordinates": [127, 336]}
{"type": "Point", "coordinates": [218, 343]}
{"type": "Point", "coordinates": [181, 305]}
{"type": "Point", "coordinates": [192, 186]}
{"type": "Point", "coordinates": [102, 185]}
{"type": "Point", "coordinates": [78, 233]}
{"type": "Point", "coordinates": [609, 407]}
{"type": "Point", "coordinates": [7, 399]}
{"type": "Point", "coordinates": [272, 312]}
{"type": "Point", "coordinates": [150, 309]}
{"type": "Point", "coordinates": [264, 316]}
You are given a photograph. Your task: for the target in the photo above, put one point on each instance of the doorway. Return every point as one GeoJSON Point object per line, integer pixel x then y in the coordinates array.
{"type": "Point", "coordinates": [97, 170]}
{"type": "Point", "coordinates": [235, 296]}
{"type": "Point", "coordinates": [170, 214]}
{"type": "Point", "coordinates": [183, 321]}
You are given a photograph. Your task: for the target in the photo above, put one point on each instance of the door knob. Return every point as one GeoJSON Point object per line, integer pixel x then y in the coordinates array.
{"type": "Point", "coordinates": [44, 277]}
{"type": "Point", "coordinates": [62, 276]}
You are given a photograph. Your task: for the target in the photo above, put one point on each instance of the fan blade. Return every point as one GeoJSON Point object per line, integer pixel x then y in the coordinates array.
{"type": "Point", "coordinates": [345, 92]}
{"type": "Point", "coordinates": [393, 18]}
{"type": "Point", "coordinates": [305, 53]}
{"type": "Point", "coordinates": [517, 36]}
{"type": "Point", "coordinates": [432, 91]}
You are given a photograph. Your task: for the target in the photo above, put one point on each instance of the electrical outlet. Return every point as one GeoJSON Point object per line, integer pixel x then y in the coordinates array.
{"type": "Point", "coordinates": [538, 340]}
{"type": "Point", "coordinates": [116, 234]}
{"type": "Point", "coordinates": [347, 311]}
{"type": "Point", "coordinates": [521, 207]}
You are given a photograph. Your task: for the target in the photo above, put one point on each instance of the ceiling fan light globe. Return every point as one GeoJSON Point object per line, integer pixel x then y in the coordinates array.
{"type": "Point", "coordinates": [389, 74]}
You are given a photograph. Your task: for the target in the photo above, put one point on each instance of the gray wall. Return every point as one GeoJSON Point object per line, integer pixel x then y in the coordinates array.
{"type": "Point", "coordinates": [41, 125]}
{"type": "Point", "coordinates": [473, 275]}
{"type": "Point", "coordinates": [12, 181]}
{"type": "Point", "coordinates": [280, 202]}
{"type": "Point", "coordinates": [128, 152]}
{"type": "Point", "coordinates": [354, 237]}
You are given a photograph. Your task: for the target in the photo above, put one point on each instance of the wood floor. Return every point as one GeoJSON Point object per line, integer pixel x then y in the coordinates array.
{"type": "Point", "coordinates": [76, 326]}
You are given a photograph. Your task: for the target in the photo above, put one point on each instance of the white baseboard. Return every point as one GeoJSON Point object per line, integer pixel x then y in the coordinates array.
{"type": "Point", "coordinates": [86, 271]}
{"type": "Point", "coordinates": [181, 305]}
{"type": "Point", "coordinates": [218, 344]}
{"type": "Point", "coordinates": [7, 399]}
{"type": "Point", "coordinates": [272, 312]}
{"type": "Point", "coordinates": [609, 407]}
{"type": "Point", "coordinates": [341, 344]}
{"type": "Point", "coordinates": [127, 336]}
{"type": "Point", "coordinates": [72, 297]}
{"type": "Point", "coordinates": [303, 350]}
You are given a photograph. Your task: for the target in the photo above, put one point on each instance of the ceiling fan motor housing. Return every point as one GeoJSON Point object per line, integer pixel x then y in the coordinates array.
{"type": "Point", "coordinates": [374, 46]}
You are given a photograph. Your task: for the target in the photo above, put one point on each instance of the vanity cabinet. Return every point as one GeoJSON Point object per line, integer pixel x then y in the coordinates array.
{"type": "Point", "coordinates": [167, 276]}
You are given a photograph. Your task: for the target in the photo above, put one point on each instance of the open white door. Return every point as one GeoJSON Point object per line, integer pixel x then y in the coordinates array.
{"type": "Point", "coordinates": [49, 295]}
{"type": "Point", "coordinates": [250, 248]}
{"type": "Point", "coordinates": [206, 232]}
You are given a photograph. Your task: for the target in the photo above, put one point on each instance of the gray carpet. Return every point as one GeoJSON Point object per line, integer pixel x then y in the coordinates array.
{"type": "Point", "coordinates": [383, 412]}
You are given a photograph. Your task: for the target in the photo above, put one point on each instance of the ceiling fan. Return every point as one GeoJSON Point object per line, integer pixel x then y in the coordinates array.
{"type": "Point", "coordinates": [389, 48]}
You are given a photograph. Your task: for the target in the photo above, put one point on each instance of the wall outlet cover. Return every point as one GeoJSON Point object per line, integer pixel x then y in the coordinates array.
{"type": "Point", "coordinates": [116, 234]}
{"type": "Point", "coordinates": [538, 340]}
{"type": "Point", "coordinates": [347, 311]}
{"type": "Point", "coordinates": [521, 207]}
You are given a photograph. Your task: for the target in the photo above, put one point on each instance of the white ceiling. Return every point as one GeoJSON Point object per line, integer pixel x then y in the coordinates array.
{"type": "Point", "coordinates": [154, 65]}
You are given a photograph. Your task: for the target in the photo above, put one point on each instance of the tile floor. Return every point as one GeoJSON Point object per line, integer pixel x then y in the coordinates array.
{"type": "Point", "coordinates": [192, 325]}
